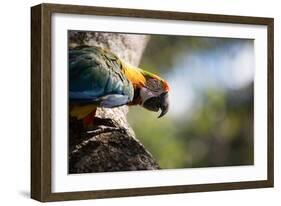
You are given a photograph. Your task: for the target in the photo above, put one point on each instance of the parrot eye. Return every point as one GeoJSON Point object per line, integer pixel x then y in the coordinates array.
{"type": "Point", "coordinates": [154, 84]}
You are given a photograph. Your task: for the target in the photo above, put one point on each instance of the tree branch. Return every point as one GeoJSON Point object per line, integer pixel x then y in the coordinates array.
{"type": "Point", "coordinates": [113, 146]}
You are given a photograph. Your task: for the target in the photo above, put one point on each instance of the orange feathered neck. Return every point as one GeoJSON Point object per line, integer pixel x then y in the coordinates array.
{"type": "Point", "coordinates": [134, 74]}
{"type": "Point", "coordinates": [138, 77]}
{"type": "Point", "coordinates": [138, 80]}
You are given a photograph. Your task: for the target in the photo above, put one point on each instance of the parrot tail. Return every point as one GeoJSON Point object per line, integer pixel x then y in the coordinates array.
{"type": "Point", "coordinates": [88, 120]}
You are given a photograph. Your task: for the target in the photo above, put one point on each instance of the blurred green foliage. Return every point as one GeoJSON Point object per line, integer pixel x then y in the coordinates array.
{"type": "Point", "coordinates": [219, 131]}
{"type": "Point", "coordinates": [163, 51]}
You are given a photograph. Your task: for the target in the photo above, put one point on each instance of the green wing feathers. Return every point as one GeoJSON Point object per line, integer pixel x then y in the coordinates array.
{"type": "Point", "coordinates": [96, 76]}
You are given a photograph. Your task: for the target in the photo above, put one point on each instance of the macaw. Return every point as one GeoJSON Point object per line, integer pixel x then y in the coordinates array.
{"type": "Point", "coordinates": [98, 78]}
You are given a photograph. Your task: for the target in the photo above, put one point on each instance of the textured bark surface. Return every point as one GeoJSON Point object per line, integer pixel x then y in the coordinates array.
{"type": "Point", "coordinates": [113, 145]}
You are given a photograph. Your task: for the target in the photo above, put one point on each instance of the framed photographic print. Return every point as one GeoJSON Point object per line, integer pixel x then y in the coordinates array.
{"type": "Point", "coordinates": [132, 102]}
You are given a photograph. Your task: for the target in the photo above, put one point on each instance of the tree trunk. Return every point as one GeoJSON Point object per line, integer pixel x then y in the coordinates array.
{"type": "Point", "coordinates": [113, 146]}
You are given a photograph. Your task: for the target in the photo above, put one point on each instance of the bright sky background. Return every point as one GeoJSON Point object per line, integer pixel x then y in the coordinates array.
{"type": "Point", "coordinates": [227, 67]}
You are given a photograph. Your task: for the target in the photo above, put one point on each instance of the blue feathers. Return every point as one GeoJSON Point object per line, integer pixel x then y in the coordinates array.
{"type": "Point", "coordinates": [114, 100]}
{"type": "Point", "coordinates": [96, 76]}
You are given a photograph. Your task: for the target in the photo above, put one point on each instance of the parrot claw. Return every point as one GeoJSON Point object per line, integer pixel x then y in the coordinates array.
{"type": "Point", "coordinates": [105, 129]}
{"type": "Point", "coordinates": [104, 121]}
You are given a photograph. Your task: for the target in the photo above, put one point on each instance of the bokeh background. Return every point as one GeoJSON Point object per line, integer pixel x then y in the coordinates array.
{"type": "Point", "coordinates": [210, 121]}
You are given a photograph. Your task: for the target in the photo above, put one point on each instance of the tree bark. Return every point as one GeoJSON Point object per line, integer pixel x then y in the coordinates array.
{"type": "Point", "coordinates": [112, 146]}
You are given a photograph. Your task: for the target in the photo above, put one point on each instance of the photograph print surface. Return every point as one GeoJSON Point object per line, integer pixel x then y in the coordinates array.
{"type": "Point", "coordinates": [149, 102]}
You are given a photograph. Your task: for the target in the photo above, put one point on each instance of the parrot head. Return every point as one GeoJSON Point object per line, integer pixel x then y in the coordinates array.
{"type": "Point", "coordinates": [151, 91]}
{"type": "Point", "coordinates": [154, 94]}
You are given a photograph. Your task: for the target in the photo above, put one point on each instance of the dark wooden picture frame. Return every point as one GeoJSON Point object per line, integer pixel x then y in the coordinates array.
{"type": "Point", "coordinates": [41, 101]}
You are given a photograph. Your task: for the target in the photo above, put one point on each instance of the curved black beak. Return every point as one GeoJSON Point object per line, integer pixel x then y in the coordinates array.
{"type": "Point", "coordinates": [156, 103]}
{"type": "Point", "coordinates": [164, 104]}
